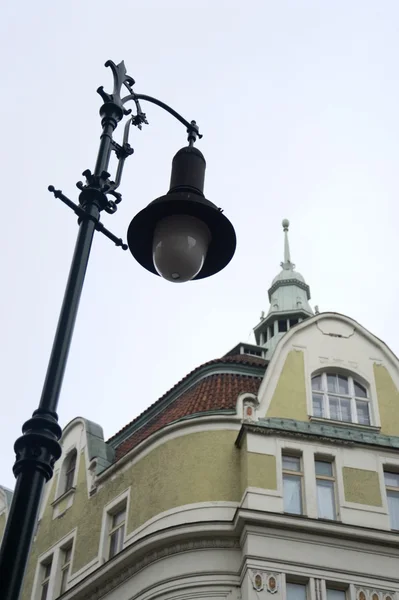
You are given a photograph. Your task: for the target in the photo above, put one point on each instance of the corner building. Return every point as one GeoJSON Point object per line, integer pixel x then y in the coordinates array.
{"type": "Point", "coordinates": [270, 472]}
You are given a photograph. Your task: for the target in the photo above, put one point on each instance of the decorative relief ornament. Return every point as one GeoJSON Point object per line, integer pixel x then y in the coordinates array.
{"type": "Point", "coordinates": [258, 581]}
{"type": "Point", "coordinates": [262, 580]}
{"type": "Point", "coordinates": [373, 594]}
{"type": "Point", "coordinates": [272, 585]}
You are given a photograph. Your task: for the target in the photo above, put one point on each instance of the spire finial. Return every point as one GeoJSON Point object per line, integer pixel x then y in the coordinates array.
{"type": "Point", "coordinates": [287, 264]}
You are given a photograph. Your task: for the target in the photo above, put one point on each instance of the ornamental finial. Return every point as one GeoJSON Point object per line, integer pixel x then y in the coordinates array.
{"type": "Point", "coordinates": [287, 264]}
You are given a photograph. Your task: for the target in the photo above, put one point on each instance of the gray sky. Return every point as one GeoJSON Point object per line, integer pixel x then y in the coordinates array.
{"type": "Point", "coordinates": [298, 102]}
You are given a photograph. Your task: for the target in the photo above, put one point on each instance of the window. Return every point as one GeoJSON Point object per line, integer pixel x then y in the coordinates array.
{"type": "Point", "coordinates": [325, 483]}
{"type": "Point", "coordinates": [293, 322]}
{"type": "Point", "coordinates": [70, 467]}
{"type": "Point", "coordinates": [333, 594]}
{"type": "Point", "coordinates": [66, 555]}
{"type": "Point", "coordinates": [392, 488]}
{"type": "Point", "coordinates": [45, 579]}
{"type": "Point", "coordinates": [341, 398]}
{"type": "Point", "coordinates": [296, 591]}
{"type": "Point", "coordinates": [117, 532]}
{"type": "Point", "coordinates": [282, 325]}
{"type": "Point", "coordinates": [292, 484]}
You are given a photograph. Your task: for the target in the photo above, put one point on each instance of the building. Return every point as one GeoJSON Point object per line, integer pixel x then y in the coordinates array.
{"type": "Point", "coordinates": [273, 470]}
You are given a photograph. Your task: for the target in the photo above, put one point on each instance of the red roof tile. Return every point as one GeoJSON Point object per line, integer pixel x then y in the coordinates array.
{"type": "Point", "coordinates": [215, 392]}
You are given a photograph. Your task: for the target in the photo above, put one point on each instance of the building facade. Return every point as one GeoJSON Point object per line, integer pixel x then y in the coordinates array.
{"type": "Point", "coordinates": [272, 471]}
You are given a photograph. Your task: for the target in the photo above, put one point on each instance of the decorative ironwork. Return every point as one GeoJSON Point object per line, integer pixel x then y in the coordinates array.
{"type": "Point", "coordinates": [38, 448]}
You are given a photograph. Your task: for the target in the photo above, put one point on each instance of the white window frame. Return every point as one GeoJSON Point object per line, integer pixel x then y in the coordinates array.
{"type": "Point", "coordinates": [324, 393]}
{"type": "Point", "coordinates": [64, 566]}
{"type": "Point", "coordinates": [61, 484]}
{"type": "Point", "coordinates": [55, 554]}
{"type": "Point", "coordinates": [299, 474]}
{"type": "Point", "coordinates": [389, 468]}
{"type": "Point", "coordinates": [68, 470]}
{"type": "Point", "coordinates": [115, 529]}
{"type": "Point", "coordinates": [333, 479]}
{"type": "Point", "coordinates": [297, 580]}
{"type": "Point", "coordinates": [46, 580]}
{"type": "Point", "coordinates": [123, 500]}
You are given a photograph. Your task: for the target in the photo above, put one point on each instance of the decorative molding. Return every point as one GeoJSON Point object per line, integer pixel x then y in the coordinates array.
{"type": "Point", "coordinates": [296, 434]}
{"type": "Point", "coordinates": [66, 494]}
{"type": "Point", "coordinates": [265, 580]}
{"type": "Point", "coordinates": [318, 589]}
{"type": "Point", "coordinates": [363, 593]}
{"type": "Point", "coordinates": [126, 573]}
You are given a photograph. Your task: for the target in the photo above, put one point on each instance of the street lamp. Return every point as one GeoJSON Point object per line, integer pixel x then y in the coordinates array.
{"type": "Point", "coordinates": [180, 236]}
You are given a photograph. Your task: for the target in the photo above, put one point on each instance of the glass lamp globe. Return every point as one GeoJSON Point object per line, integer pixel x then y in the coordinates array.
{"type": "Point", "coordinates": [180, 246]}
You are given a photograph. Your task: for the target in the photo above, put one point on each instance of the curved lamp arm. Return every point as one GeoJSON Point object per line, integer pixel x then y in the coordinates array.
{"type": "Point", "coordinates": [192, 127]}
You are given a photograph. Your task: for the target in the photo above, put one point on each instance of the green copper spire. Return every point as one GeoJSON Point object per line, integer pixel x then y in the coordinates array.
{"type": "Point", "coordinates": [287, 264]}
{"type": "Point", "coordinates": [289, 296]}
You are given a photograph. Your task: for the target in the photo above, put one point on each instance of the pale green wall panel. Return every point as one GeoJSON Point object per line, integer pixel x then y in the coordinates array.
{"type": "Point", "coordinates": [388, 401]}
{"type": "Point", "coordinates": [289, 398]}
{"type": "Point", "coordinates": [257, 470]}
{"type": "Point", "coordinates": [362, 486]}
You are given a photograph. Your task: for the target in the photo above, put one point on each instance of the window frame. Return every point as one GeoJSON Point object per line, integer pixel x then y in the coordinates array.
{"type": "Point", "coordinates": [65, 567]}
{"type": "Point", "coordinates": [331, 478]}
{"type": "Point", "coordinates": [300, 476]}
{"type": "Point", "coordinates": [325, 395]}
{"type": "Point", "coordinates": [336, 587]}
{"type": "Point", "coordinates": [297, 581]}
{"type": "Point", "coordinates": [392, 470]}
{"type": "Point", "coordinates": [121, 508]}
{"type": "Point", "coordinates": [45, 579]}
{"type": "Point", "coordinates": [68, 480]}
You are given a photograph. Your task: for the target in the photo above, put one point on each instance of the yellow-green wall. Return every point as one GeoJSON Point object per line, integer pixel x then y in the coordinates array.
{"type": "Point", "coordinates": [199, 467]}
{"type": "Point", "coordinates": [289, 398]}
{"type": "Point", "coordinates": [388, 400]}
{"type": "Point", "coordinates": [2, 524]}
{"type": "Point", "coordinates": [257, 470]}
{"type": "Point", "coordinates": [362, 486]}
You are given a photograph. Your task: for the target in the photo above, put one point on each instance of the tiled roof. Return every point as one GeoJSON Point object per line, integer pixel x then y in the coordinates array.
{"type": "Point", "coordinates": [215, 392]}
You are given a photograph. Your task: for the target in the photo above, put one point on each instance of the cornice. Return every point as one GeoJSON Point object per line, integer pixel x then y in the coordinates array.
{"type": "Point", "coordinates": [108, 584]}
{"type": "Point", "coordinates": [330, 433]}
{"type": "Point", "coordinates": [291, 281]}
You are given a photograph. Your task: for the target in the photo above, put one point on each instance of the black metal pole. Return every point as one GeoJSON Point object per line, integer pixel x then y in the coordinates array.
{"type": "Point", "coordinates": [38, 448]}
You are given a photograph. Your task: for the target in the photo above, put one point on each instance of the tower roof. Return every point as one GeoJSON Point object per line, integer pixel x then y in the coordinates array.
{"type": "Point", "coordinates": [289, 290]}
{"type": "Point", "coordinates": [289, 296]}
{"type": "Point", "coordinates": [288, 275]}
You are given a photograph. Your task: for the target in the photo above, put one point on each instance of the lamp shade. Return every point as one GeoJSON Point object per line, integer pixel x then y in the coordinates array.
{"type": "Point", "coordinates": [199, 231]}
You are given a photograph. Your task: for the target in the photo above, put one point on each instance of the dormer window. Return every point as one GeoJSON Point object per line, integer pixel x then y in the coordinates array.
{"type": "Point", "coordinates": [70, 467]}
{"type": "Point", "coordinates": [341, 398]}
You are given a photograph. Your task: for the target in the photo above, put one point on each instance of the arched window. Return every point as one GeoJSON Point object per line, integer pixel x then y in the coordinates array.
{"type": "Point", "coordinates": [69, 472]}
{"type": "Point", "coordinates": [341, 398]}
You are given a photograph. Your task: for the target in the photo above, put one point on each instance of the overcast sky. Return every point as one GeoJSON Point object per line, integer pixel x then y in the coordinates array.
{"type": "Point", "coordinates": [298, 103]}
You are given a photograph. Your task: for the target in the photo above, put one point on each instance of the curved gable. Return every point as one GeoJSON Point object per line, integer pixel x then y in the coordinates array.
{"type": "Point", "coordinates": [332, 342]}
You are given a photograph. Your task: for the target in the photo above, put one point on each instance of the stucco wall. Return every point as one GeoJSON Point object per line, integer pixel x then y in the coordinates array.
{"type": "Point", "coordinates": [198, 467]}
{"type": "Point", "coordinates": [289, 397]}
{"type": "Point", "coordinates": [362, 486]}
{"type": "Point", "coordinates": [257, 469]}
{"type": "Point", "coordinates": [388, 400]}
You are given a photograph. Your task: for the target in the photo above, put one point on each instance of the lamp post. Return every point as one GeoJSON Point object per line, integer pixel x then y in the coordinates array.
{"type": "Point", "coordinates": [180, 236]}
